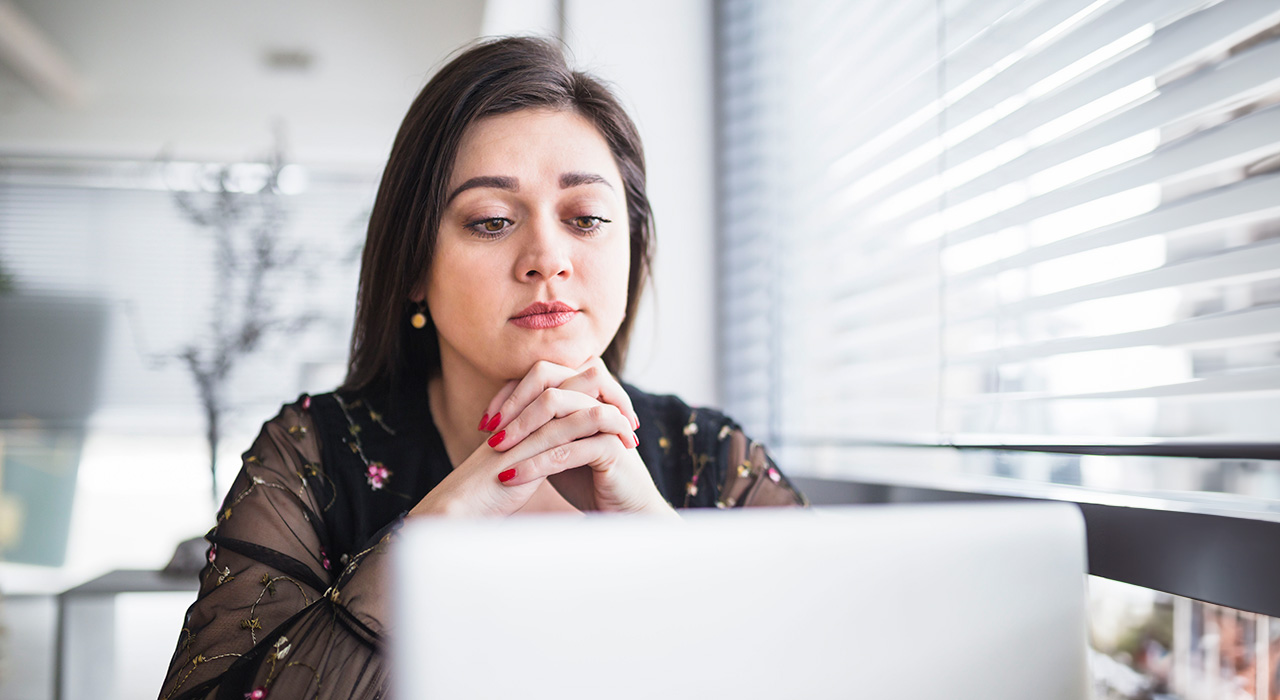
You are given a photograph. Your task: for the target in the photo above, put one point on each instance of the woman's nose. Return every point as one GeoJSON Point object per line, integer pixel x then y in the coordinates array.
{"type": "Point", "coordinates": [545, 251]}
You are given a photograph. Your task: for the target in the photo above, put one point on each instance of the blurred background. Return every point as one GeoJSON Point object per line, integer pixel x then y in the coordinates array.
{"type": "Point", "coordinates": [164, 167]}
{"type": "Point", "coordinates": [924, 249]}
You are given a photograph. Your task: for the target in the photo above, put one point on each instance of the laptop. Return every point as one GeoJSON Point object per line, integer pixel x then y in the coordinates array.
{"type": "Point", "coordinates": [956, 601]}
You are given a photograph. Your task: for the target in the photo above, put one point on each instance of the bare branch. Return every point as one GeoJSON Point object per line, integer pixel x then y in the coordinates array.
{"type": "Point", "coordinates": [247, 229]}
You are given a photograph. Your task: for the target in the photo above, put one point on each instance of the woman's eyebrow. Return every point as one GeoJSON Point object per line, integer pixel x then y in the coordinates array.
{"type": "Point", "coordinates": [568, 180]}
{"type": "Point", "coordinates": [501, 182]}
{"type": "Point", "coordinates": [512, 184]}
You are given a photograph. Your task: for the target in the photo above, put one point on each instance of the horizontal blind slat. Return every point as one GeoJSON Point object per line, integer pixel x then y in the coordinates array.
{"type": "Point", "coordinates": [1225, 329]}
{"type": "Point", "coordinates": [1250, 201]}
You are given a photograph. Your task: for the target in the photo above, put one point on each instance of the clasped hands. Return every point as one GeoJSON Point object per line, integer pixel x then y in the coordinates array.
{"type": "Point", "coordinates": [572, 427]}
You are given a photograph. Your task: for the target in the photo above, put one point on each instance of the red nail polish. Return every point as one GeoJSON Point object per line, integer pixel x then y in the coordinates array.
{"type": "Point", "coordinates": [483, 419]}
{"type": "Point", "coordinates": [508, 475]}
{"type": "Point", "coordinates": [493, 422]}
{"type": "Point", "coordinates": [497, 438]}
{"type": "Point", "coordinates": [636, 439]}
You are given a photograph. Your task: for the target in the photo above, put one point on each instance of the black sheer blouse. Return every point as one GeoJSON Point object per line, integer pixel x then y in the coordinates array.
{"type": "Point", "coordinates": [291, 601]}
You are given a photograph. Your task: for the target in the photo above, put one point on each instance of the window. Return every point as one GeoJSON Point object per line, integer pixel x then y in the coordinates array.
{"type": "Point", "coordinates": [1019, 248]}
{"type": "Point", "coordinates": [1002, 223]}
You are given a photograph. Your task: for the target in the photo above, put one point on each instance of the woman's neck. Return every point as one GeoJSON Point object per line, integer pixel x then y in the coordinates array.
{"type": "Point", "coordinates": [459, 396]}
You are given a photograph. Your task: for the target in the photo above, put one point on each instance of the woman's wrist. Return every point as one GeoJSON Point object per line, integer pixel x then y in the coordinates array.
{"type": "Point", "coordinates": [435, 505]}
{"type": "Point", "coordinates": [660, 508]}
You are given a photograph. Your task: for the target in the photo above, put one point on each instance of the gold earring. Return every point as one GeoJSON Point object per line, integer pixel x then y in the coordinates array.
{"type": "Point", "coordinates": [419, 318]}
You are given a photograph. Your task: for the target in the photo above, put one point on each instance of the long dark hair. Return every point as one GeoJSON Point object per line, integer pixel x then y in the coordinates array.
{"type": "Point", "coordinates": [490, 78]}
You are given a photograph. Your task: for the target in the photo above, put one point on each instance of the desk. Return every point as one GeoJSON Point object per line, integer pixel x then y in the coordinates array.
{"type": "Point", "coordinates": [89, 662]}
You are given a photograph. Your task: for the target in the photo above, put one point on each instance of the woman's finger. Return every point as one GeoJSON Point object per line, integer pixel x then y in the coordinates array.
{"type": "Point", "coordinates": [570, 416]}
{"type": "Point", "coordinates": [541, 376]}
{"type": "Point", "coordinates": [617, 481]}
{"type": "Point", "coordinates": [491, 411]}
{"type": "Point", "coordinates": [553, 404]}
{"type": "Point", "coordinates": [595, 380]}
{"type": "Point", "coordinates": [597, 452]}
{"type": "Point", "coordinates": [592, 378]}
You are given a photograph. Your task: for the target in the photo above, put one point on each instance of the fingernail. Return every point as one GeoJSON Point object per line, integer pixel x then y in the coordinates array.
{"type": "Point", "coordinates": [497, 438]}
{"type": "Point", "coordinates": [635, 423]}
{"type": "Point", "coordinates": [483, 419]}
{"type": "Point", "coordinates": [637, 440]}
{"type": "Point", "coordinates": [508, 475]}
{"type": "Point", "coordinates": [493, 422]}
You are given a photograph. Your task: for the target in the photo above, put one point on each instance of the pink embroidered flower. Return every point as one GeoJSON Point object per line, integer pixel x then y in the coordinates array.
{"type": "Point", "coordinates": [256, 694]}
{"type": "Point", "coordinates": [306, 403]}
{"type": "Point", "coordinates": [213, 553]}
{"type": "Point", "coordinates": [324, 559]}
{"type": "Point", "coordinates": [377, 475]}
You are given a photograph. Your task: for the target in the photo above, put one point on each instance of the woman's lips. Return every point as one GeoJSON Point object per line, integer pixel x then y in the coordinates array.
{"type": "Point", "coordinates": [544, 314]}
{"type": "Point", "coordinates": [550, 320]}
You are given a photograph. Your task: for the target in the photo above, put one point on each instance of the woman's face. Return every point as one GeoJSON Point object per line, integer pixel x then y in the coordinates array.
{"type": "Point", "coordinates": [533, 251]}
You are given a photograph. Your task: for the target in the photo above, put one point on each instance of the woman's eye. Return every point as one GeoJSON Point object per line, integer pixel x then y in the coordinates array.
{"type": "Point", "coordinates": [588, 224]}
{"type": "Point", "coordinates": [491, 226]}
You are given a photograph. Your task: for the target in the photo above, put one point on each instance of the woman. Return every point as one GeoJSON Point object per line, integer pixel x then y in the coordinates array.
{"type": "Point", "coordinates": [506, 252]}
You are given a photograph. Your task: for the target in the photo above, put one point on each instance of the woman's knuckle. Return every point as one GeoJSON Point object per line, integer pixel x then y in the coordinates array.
{"type": "Point", "coordinates": [549, 400]}
{"type": "Point", "coordinates": [560, 454]}
{"type": "Point", "coordinates": [543, 370]}
{"type": "Point", "coordinates": [598, 414]}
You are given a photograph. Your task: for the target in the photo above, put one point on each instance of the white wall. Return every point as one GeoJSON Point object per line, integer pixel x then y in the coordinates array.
{"type": "Point", "coordinates": [193, 76]}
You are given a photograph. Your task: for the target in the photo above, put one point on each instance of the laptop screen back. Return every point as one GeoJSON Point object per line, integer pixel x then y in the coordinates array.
{"type": "Point", "coordinates": [932, 601]}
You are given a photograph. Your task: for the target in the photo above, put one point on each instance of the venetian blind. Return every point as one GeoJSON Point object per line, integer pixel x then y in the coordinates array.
{"type": "Point", "coordinates": [1001, 222]}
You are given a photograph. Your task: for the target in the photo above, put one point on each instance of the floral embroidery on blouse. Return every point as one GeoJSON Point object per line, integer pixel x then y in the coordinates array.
{"type": "Point", "coordinates": [376, 475]}
{"type": "Point", "coordinates": [698, 460]}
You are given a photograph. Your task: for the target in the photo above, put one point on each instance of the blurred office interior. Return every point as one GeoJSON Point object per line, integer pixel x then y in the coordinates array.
{"type": "Point", "coordinates": [925, 250]}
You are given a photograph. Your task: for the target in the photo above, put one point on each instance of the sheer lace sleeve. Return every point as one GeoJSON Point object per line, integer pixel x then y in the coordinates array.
{"type": "Point", "coordinates": [751, 478]}
{"type": "Point", "coordinates": [276, 617]}
{"type": "Point", "coordinates": [726, 469]}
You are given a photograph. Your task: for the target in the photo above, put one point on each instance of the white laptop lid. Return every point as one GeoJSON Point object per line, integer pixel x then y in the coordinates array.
{"type": "Point", "coordinates": [924, 601]}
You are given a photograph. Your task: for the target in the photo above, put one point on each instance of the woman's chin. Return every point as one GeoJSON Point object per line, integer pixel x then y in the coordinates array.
{"type": "Point", "coordinates": [563, 356]}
